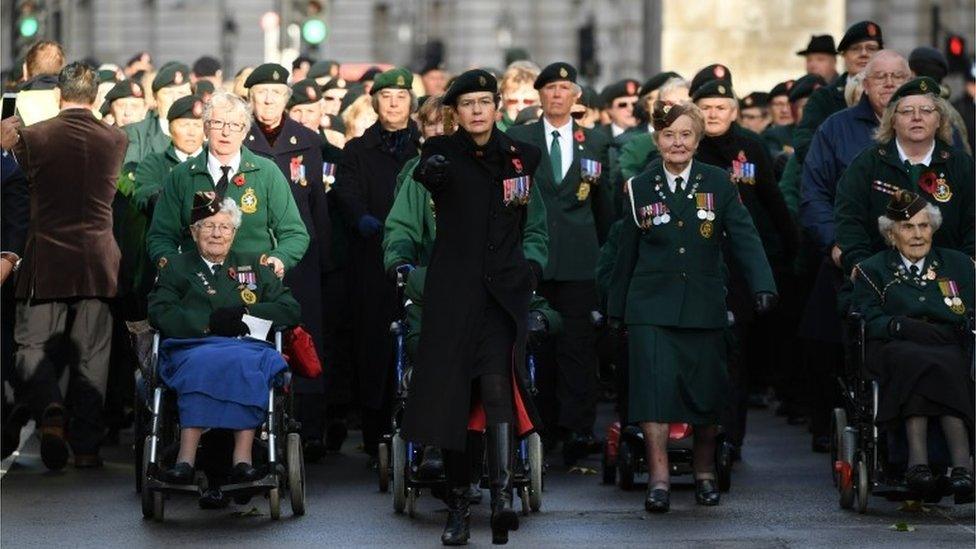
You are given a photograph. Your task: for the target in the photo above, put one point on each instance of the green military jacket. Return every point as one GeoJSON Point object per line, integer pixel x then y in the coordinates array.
{"type": "Point", "coordinates": [672, 273]}
{"type": "Point", "coordinates": [187, 291]}
{"type": "Point", "coordinates": [145, 137]}
{"type": "Point", "coordinates": [271, 223]}
{"type": "Point", "coordinates": [578, 214]}
{"type": "Point", "coordinates": [410, 226]}
{"type": "Point", "coordinates": [823, 102]}
{"type": "Point", "coordinates": [865, 188]}
{"type": "Point", "coordinates": [941, 294]}
{"type": "Point", "coordinates": [635, 155]}
{"type": "Point", "coordinates": [149, 177]}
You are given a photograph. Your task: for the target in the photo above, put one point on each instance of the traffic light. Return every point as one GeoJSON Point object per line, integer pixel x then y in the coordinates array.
{"type": "Point", "coordinates": [314, 31]}
{"type": "Point", "coordinates": [27, 24]}
{"type": "Point", "coordinates": [956, 53]}
{"type": "Point", "coordinates": [309, 16]}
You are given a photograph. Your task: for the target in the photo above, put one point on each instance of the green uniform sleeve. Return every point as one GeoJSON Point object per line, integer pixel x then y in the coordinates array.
{"type": "Point", "coordinates": [746, 247]}
{"type": "Point", "coordinates": [149, 176]}
{"type": "Point", "coordinates": [865, 300]}
{"type": "Point", "coordinates": [623, 268]}
{"type": "Point", "coordinates": [604, 263]}
{"type": "Point", "coordinates": [403, 233]}
{"type": "Point", "coordinates": [284, 221]}
{"type": "Point", "coordinates": [167, 312]}
{"type": "Point", "coordinates": [133, 153]}
{"type": "Point", "coordinates": [276, 304]}
{"type": "Point", "coordinates": [852, 215]}
{"type": "Point", "coordinates": [635, 155]}
{"type": "Point", "coordinates": [553, 318]}
{"type": "Point", "coordinates": [406, 173]}
{"type": "Point", "coordinates": [413, 311]}
{"type": "Point", "coordinates": [535, 237]}
{"type": "Point", "coordinates": [789, 185]}
{"type": "Point", "coordinates": [166, 229]}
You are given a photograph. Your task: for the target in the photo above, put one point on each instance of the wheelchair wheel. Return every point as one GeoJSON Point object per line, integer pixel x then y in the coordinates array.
{"type": "Point", "coordinates": [523, 494]}
{"type": "Point", "coordinates": [723, 466]}
{"type": "Point", "coordinates": [838, 423]}
{"type": "Point", "coordinates": [296, 474]}
{"type": "Point", "coordinates": [147, 495]}
{"type": "Point", "coordinates": [534, 489]}
{"type": "Point", "coordinates": [399, 452]}
{"type": "Point", "coordinates": [274, 503]}
{"type": "Point", "coordinates": [609, 471]}
{"type": "Point", "coordinates": [863, 484]}
{"type": "Point", "coordinates": [625, 466]}
{"type": "Point", "coordinates": [383, 466]}
{"type": "Point", "coordinates": [138, 434]}
{"type": "Point", "coordinates": [159, 505]}
{"type": "Point", "coordinates": [411, 502]}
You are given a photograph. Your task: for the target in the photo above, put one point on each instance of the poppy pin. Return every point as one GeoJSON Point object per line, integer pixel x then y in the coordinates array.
{"type": "Point", "coordinates": [239, 180]}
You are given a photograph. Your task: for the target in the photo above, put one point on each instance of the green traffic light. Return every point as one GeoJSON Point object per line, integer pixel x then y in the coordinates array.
{"type": "Point", "coordinates": [314, 31]}
{"type": "Point", "coordinates": [28, 26]}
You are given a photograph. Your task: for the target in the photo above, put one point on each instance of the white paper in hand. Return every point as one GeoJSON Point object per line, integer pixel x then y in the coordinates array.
{"type": "Point", "coordinates": [259, 327]}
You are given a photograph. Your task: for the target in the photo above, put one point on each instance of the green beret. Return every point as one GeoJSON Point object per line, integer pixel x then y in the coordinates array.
{"type": "Point", "coordinates": [335, 83]}
{"type": "Point", "coordinates": [783, 88]}
{"type": "Point", "coordinates": [106, 75]}
{"type": "Point", "coordinates": [268, 73]}
{"type": "Point", "coordinates": [714, 88]}
{"type": "Point", "coordinates": [620, 88]}
{"type": "Point", "coordinates": [656, 82]}
{"type": "Point", "coordinates": [190, 106]}
{"type": "Point", "coordinates": [918, 86]}
{"type": "Point", "coordinates": [555, 72]}
{"type": "Point", "coordinates": [590, 99]}
{"type": "Point", "coordinates": [754, 99]}
{"type": "Point", "coordinates": [709, 73]}
{"type": "Point", "coordinates": [321, 69]}
{"type": "Point", "coordinates": [171, 74]}
{"type": "Point", "coordinates": [304, 92]}
{"type": "Point", "coordinates": [203, 86]}
{"type": "Point", "coordinates": [805, 86]}
{"type": "Point", "coordinates": [475, 80]}
{"type": "Point", "coordinates": [397, 77]}
{"type": "Point", "coordinates": [860, 32]}
{"type": "Point", "coordinates": [125, 88]}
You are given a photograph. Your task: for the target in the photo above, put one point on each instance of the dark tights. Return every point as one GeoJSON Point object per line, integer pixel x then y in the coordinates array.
{"type": "Point", "coordinates": [495, 391]}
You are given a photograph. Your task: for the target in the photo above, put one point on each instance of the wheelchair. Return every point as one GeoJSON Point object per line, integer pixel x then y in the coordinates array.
{"type": "Point", "coordinates": [867, 460]}
{"type": "Point", "coordinates": [157, 442]}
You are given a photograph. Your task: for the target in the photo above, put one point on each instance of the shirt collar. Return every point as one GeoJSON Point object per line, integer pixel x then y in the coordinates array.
{"type": "Point", "coordinates": [182, 156]}
{"type": "Point", "coordinates": [213, 165]}
{"type": "Point", "coordinates": [908, 263]}
{"type": "Point", "coordinates": [616, 130]}
{"type": "Point", "coordinates": [685, 175]}
{"type": "Point", "coordinates": [927, 160]}
{"type": "Point", "coordinates": [210, 264]}
{"type": "Point", "coordinates": [565, 130]}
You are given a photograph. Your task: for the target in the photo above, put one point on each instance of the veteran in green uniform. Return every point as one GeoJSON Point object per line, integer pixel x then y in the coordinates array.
{"type": "Point", "coordinates": [272, 227]}
{"type": "Point", "coordinates": [185, 120]}
{"type": "Point", "coordinates": [125, 102]}
{"type": "Point", "coordinates": [914, 153]}
{"type": "Point", "coordinates": [151, 135]}
{"type": "Point", "coordinates": [668, 287]}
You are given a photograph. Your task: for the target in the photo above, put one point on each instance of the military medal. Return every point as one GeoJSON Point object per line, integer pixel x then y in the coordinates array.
{"type": "Point", "coordinates": [950, 293]}
{"type": "Point", "coordinates": [248, 297]}
{"type": "Point", "coordinates": [706, 206]}
{"type": "Point", "coordinates": [328, 175]}
{"type": "Point", "coordinates": [743, 171]}
{"type": "Point", "coordinates": [590, 172]}
{"type": "Point", "coordinates": [206, 284]}
{"type": "Point", "coordinates": [298, 171]}
{"type": "Point", "coordinates": [515, 191]}
{"type": "Point", "coordinates": [943, 193]}
{"type": "Point", "coordinates": [706, 229]}
{"type": "Point", "coordinates": [246, 277]}
{"type": "Point", "coordinates": [249, 201]}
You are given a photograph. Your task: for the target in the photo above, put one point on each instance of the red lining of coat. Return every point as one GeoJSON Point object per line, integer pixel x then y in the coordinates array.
{"type": "Point", "coordinates": [477, 421]}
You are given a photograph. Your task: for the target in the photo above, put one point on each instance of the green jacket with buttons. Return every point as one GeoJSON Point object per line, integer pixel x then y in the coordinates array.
{"type": "Point", "coordinates": [863, 193]}
{"type": "Point", "coordinates": [578, 218]}
{"type": "Point", "coordinates": [672, 274]}
{"type": "Point", "coordinates": [409, 228]}
{"type": "Point", "coordinates": [149, 177]}
{"type": "Point", "coordinates": [271, 224]}
{"type": "Point", "coordinates": [884, 288]}
{"type": "Point", "coordinates": [145, 137]}
{"type": "Point", "coordinates": [187, 292]}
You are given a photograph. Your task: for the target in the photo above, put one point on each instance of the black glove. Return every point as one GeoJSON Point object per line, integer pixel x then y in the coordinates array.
{"type": "Point", "coordinates": [369, 225]}
{"type": "Point", "coordinates": [919, 331]}
{"type": "Point", "coordinates": [435, 168]}
{"type": "Point", "coordinates": [536, 274]}
{"type": "Point", "coordinates": [765, 301]}
{"type": "Point", "coordinates": [401, 269]}
{"type": "Point", "coordinates": [226, 321]}
{"type": "Point", "coordinates": [537, 323]}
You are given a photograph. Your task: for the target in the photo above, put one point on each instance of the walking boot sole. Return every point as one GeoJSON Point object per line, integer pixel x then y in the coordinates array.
{"type": "Point", "coordinates": [502, 523]}
{"type": "Point", "coordinates": [54, 452]}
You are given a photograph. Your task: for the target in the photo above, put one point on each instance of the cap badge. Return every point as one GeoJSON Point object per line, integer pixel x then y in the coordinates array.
{"type": "Point", "coordinates": [482, 81]}
{"type": "Point", "coordinates": [721, 89]}
{"type": "Point", "coordinates": [136, 91]}
{"type": "Point", "coordinates": [177, 77]}
{"type": "Point", "coordinates": [400, 81]}
{"type": "Point", "coordinates": [872, 30]}
{"type": "Point", "coordinates": [197, 109]}
{"type": "Point", "coordinates": [563, 72]}
{"type": "Point", "coordinates": [719, 72]}
{"type": "Point", "coordinates": [310, 92]}
{"type": "Point", "coordinates": [748, 101]}
{"type": "Point", "coordinates": [923, 86]}
{"type": "Point", "coordinates": [631, 88]}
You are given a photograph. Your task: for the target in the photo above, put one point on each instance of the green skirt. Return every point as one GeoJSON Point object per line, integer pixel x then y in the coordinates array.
{"type": "Point", "coordinates": [677, 375]}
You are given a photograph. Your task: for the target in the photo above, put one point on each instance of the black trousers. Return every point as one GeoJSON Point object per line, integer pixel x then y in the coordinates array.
{"type": "Point", "coordinates": [571, 372]}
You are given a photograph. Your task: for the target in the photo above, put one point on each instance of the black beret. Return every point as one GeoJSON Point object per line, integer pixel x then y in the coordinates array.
{"type": "Point", "coordinates": [324, 68]}
{"type": "Point", "coordinates": [926, 61]}
{"type": "Point", "coordinates": [354, 92]}
{"type": "Point", "coordinates": [203, 86]}
{"type": "Point", "coordinates": [754, 99]}
{"type": "Point", "coordinates": [528, 115]}
{"type": "Point", "coordinates": [190, 106]}
{"type": "Point", "coordinates": [304, 92]}
{"type": "Point", "coordinates": [805, 86]}
{"type": "Point", "coordinates": [589, 98]}
{"type": "Point", "coordinates": [555, 71]}
{"type": "Point", "coordinates": [917, 86]}
{"type": "Point", "coordinates": [620, 88]}
{"type": "Point", "coordinates": [656, 82]}
{"type": "Point", "coordinates": [268, 73]}
{"type": "Point", "coordinates": [334, 83]}
{"type": "Point", "coordinates": [171, 74]}
{"type": "Point", "coordinates": [664, 114]}
{"type": "Point", "coordinates": [206, 66]}
{"type": "Point", "coordinates": [904, 205]}
{"type": "Point", "coordinates": [125, 88]}
{"type": "Point", "coordinates": [475, 80]}
{"type": "Point", "coordinates": [301, 60]}
{"type": "Point", "coordinates": [783, 88]}
{"type": "Point", "coordinates": [397, 78]}
{"type": "Point", "coordinates": [709, 73]}
{"type": "Point", "coordinates": [714, 88]}
{"type": "Point", "coordinates": [205, 204]}
{"type": "Point", "coordinates": [370, 74]}
{"type": "Point", "coordinates": [860, 32]}
{"type": "Point", "coordinates": [822, 43]}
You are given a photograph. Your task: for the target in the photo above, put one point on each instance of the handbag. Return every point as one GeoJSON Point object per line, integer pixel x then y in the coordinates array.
{"type": "Point", "coordinates": [299, 351]}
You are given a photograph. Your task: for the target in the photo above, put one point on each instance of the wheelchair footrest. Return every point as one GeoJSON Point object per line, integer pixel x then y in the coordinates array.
{"type": "Point", "coordinates": [156, 485]}
{"type": "Point", "coordinates": [254, 487]}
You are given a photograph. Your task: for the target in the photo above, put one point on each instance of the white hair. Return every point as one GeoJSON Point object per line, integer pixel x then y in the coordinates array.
{"type": "Point", "coordinates": [229, 207]}
{"type": "Point", "coordinates": [227, 100]}
{"type": "Point", "coordinates": [886, 226]}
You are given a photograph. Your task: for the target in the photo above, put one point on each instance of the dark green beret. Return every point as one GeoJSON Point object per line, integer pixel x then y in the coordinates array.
{"type": "Point", "coordinates": [125, 88]}
{"type": "Point", "coordinates": [354, 92]}
{"type": "Point", "coordinates": [528, 115]}
{"type": "Point", "coordinates": [171, 74]}
{"type": "Point", "coordinates": [268, 73]}
{"type": "Point", "coordinates": [304, 92]}
{"type": "Point", "coordinates": [321, 69]}
{"type": "Point", "coordinates": [709, 73]}
{"type": "Point", "coordinates": [475, 80]}
{"type": "Point", "coordinates": [620, 88]}
{"type": "Point", "coordinates": [590, 99]}
{"type": "Point", "coordinates": [554, 72]}
{"type": "Point", "coordinates": [656, 82]}
{"type": "Point", "coordinates": [783, 88]}
{"type": "Point", "coordinates": [860, 32]}
{"type": "Point", "coordinates": [203, 86]}
{"type": "Point", "coordinates": [714, 88]}
{"type": "Point", "coordinates": [918, 86]}
{"type": "Point", "coordinates": [335, 83]}
{"type": "Point", "coordinates": [106, 75]}
{"type": "Point", "coordinates": [397, 78]}
{"type": "Point", "coordinates": [805, 86]}
{"type": "Point", "coordinates": [754, 99]}
{"type": "Point", "coordinates": [190, 106]}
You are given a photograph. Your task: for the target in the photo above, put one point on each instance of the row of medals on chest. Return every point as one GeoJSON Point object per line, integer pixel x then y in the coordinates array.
{"type": "Point", "coordinates": [659, 214]}
{"type": "Point", "coordinates": [948, 287]}
{"type": "Point", "coordinates": [247, 283]}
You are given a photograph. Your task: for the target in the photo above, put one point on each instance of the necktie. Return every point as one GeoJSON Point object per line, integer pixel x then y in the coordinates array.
{"type": "Point", "coordinates": [679, 184]}
{"type": "Point", "coordinates": [914, 270]}
{"type": "Point", "coordinates": [914, 170]}
{"type": "Point", "coordinates": [556, 158]}
{"type": "Point", "coordinates": [215, 268]}
{"type": "Point", "coordinates": [221, 187]}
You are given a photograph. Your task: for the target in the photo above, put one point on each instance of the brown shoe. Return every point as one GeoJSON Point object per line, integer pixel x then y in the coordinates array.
{"type": "Point", "coordinates": [88, 461]}
{"type": "Point", "coordinates": [54, 448]}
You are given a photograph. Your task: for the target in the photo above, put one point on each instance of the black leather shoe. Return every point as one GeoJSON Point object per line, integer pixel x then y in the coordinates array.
{"type": "Point", "coordinates": [919, 479]}
{"type": "Point", "coordinates": [962, 484]}
{"type": "Point", "coordinates": [706, 492]}
{"type": "Point", "coordinates": [658, 500]}
{"type": "Point", "coordinates": [820, 444]}
{"type": "Point", "coordinates": [213, 499]}
{"type": "Point", "coordinates": [458, 527]}
{"type": "Point", "coordinates": [244, 472]}
{"type": "Point", "coordinates": [181, 473]}
{"type": "Point", "coordinates": [335, 435]}
{"type": "Point", "coordinates": [473, 493]}
{"type": "Point", "coordinates": [54, 447]}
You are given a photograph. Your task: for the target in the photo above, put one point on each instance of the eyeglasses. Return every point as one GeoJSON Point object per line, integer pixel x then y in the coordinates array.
{"type": "Point", "coordinates": [211, 227]}
{"type": "Point", "coordinates": [923, 110]}
{"type": "Point", "coordinates": [220, 125]}
{"type": "Point", "coordinates": [624, 104]}
{"type": "Point", "coordinates": [896, 77]}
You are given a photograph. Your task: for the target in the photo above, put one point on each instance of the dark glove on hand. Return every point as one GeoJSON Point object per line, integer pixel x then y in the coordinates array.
{"type": "Point", "coordinates": [919, 331]}
{"type": "Point", "coordinates": [401, 270]}
{"type": "Point", "coordinates": [369, 225]}
{"type": "Point", "coordinates": [226, 321]}
{"type": "Point", "coordinates": [765, 301]}
{"type": "Point", "coordinates": [435, 168]}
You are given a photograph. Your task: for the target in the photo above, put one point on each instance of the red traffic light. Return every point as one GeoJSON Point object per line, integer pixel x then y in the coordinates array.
{"type": "Point", "coordinates": [956, 46]}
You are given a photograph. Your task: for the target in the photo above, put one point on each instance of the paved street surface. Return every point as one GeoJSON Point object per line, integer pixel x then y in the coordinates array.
{"type": "Point", "coordinates": [781, 497]}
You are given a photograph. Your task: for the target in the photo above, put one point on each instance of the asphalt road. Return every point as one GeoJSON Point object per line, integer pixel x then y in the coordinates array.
{"type": "Point", "coordinates": [781, 497]}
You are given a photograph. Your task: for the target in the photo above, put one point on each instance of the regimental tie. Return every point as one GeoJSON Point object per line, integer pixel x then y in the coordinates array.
{"type": "Point", "coordinates": [556, 158]}
{"type": "Point", "coordinates": [221, 187]}
{"type": "Point", "coordinates": [679, 182]}
{"type": "Point", "coordinates": [215, 268]}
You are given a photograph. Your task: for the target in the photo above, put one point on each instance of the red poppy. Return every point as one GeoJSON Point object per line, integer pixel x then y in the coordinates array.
{"type": "Point", "coordinates": [579, 136]}
{"type": "Point", "coordinates": [239, 180]}
{"type": "Point", "coordinates": [927, 182]}
{"type": "Point", "coordinates": [518, 164]}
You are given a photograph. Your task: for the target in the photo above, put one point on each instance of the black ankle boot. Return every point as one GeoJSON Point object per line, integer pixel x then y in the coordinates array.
{"type": "Point", "coordinates": [458, 527]}
{"type": "Point", "coordinates": [503, 517]}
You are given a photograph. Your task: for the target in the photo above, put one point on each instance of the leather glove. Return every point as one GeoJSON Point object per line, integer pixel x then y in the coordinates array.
{"type": "Point", "coordinates": [401, 270]}
{"type": "Point", "coordinates": [369, 225]}
{"type": "Point", "coordinates": [435, 168]}
{"type": "Point", "coordinates": [226, 321]}
{"type": "Point", "coordinates": [919, 331]}
{"type": "Point", "coordinates": [765, 301]}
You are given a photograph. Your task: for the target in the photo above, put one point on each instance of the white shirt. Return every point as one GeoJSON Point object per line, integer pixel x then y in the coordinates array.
{"type": "Point", "coordinates": [925, 161]}
{"type": "Point", "coordinates": [213, 166]}
{"type": "Point", "coordinates": [908, 264]}
{"type": "Point", "coordinates": [210, 264]}
{"type": "Point", "coordinates": [565, 143]}
{"type": "Point", "coordinates": [616, 130]}
{"type": "Point", "coordinates": [164, 125]}
{"type": "Point", "coordinates": [672, 183]}
{"type": "Point", "coordinates": [182, 156]}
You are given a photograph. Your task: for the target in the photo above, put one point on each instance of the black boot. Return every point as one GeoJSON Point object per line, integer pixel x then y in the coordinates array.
{"type": "Point", "coordinates": [458, 527]}
{"type": "Point", "coordinates": [503, 517]}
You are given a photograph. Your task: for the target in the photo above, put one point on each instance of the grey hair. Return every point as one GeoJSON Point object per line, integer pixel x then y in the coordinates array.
{"type": "Point", "coordinates": [854, 89]}
{"type": "Point", "coordinates": [887, 226]}
{"type": "Point", "coordinates": [672, 84]}
{"type": "Point", "coordinates": [375, 102]}
{"type": "Point", "coordinates": [229, 207]}
{"type": "Point", "coordinates": [882, 55]}
{"type": "Point", "coordinates": [231, 101]}
{"type": "Point", "coordinates": [886, 128]}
